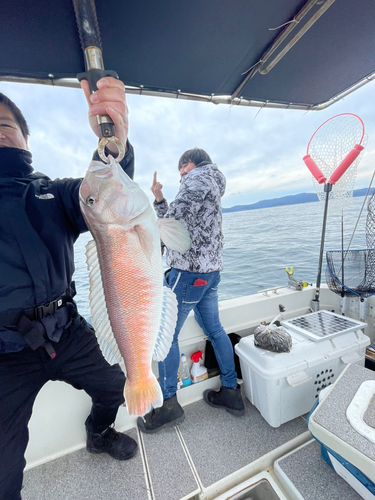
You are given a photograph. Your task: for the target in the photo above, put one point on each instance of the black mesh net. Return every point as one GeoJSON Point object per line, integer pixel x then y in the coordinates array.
{"type": "Point", "coordinates": [351, 272]}
{"type": "Point", "coordinates": [370, 222]}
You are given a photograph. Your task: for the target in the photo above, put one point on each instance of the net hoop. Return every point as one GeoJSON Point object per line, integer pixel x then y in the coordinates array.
{"type": "Point", "coordinates": [336, 116]}
{"type": "Point", "coordinates": [333, 154]}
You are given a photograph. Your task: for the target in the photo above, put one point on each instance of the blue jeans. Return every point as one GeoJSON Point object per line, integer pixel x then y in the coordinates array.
{"type": "Point", "coordinates": [203, 300]}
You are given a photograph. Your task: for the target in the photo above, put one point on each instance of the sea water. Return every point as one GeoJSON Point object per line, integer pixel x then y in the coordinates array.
{"type": "Point", "coordinates": [260, 244]}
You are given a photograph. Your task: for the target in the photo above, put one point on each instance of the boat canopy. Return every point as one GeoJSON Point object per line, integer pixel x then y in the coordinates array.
{"type": "Point", "coordinates": [276, 53]}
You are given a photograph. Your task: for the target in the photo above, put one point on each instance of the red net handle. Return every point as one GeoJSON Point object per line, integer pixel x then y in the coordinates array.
{"type": "Point", "coordinates": [314, 169]}
{"type": "Point", "coordinates": [345, 164]}
{"type": "Point", "coordinates": [340, 170]}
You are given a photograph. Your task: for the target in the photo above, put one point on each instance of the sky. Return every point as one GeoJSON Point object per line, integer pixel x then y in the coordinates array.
{"type": "Point", "coordinates": [259, 151]}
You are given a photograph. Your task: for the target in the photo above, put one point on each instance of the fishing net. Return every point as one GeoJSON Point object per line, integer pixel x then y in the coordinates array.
{"type": "Point", "coordinates": [328, 147]}
{"type": "Point", "coordinates": [370, 222]}
{"type": "Point", "coordinates": [351, 272]}
{"type": "Point", "coordinates": [333, 154]}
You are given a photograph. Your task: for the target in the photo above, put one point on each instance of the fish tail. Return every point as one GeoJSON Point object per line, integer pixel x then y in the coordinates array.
{"type": "Point", "coordinates": [142, 396]}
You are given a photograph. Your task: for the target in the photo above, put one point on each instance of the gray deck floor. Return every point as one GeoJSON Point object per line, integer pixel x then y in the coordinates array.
{"type": "Point", "coordinates": [312, 477]}
{"type": "Point", "coordinates": [216, 442]}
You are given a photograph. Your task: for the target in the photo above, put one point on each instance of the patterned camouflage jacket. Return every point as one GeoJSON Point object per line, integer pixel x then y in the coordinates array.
{"type": "Point", "coordinates": [198, 207]}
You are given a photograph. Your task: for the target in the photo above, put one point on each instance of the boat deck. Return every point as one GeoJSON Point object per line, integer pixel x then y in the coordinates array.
{"type": "Point", "coordinates": [206, 455]}
{"type": "Point", "coordinates": [178, 462]}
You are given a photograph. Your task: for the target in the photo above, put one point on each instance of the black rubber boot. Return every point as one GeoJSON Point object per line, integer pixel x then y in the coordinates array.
{"type": "Point", "coordinates": [228, 399]}
{"type": "Point", "coordinates": [117, 445]}
{"type": "Point", "coordinates": [170, 413]}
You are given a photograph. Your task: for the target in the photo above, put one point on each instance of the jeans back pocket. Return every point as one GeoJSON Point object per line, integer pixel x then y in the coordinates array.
{"type": "Point", "coordinates": [193, 294]}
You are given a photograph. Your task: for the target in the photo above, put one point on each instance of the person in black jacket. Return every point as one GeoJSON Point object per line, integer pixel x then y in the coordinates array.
{"type": "Point", "coordinates": [42, 335]}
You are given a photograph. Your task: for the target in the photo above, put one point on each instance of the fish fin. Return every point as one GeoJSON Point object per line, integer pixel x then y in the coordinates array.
{"type": "Point", "coordinates": [174, 235]}
{"type": "Point", "coordinates": [168, 322]}
{"type": "Point", "coordinates": [146, 240]}
{"type": "Point", "coordinates": [141, 397]}
{"type": "Point", "coordinates": [98, 308]}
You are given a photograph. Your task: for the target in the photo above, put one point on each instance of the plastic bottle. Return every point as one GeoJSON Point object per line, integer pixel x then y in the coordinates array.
{"type": "Point", "coordinates": [184, 370]}
{"type": "Point", "coordinates": [198, 372]}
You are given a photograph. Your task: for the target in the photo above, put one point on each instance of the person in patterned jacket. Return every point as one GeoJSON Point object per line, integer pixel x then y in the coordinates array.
{"type": "Point", "coordinates": [194, 277]}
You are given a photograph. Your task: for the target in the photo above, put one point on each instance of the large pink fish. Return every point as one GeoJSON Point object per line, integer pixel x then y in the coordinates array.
{"type": "Point", "coordinates": [126, 278]}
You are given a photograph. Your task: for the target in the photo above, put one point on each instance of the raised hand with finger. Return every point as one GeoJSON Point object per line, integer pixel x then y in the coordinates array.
{"type": "Point", "coordinates": [156, 189]}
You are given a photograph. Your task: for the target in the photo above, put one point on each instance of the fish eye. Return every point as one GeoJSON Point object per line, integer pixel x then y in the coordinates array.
{"type": "Point", "coordinates": [90, 200]}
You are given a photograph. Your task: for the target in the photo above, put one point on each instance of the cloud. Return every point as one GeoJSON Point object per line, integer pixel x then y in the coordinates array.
{"type": "Point", "coordinates": [259, 152]}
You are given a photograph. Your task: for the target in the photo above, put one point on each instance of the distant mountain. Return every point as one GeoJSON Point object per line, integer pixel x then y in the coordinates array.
{"type": "Point", "coordinates": [294, 199]}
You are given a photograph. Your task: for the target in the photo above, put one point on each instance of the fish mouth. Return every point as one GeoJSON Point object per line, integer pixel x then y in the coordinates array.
{"type": "Point", "coordinates": [102, 171]}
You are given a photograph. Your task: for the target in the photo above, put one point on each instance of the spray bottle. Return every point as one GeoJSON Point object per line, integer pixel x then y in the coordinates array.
{"type": "Point", "coordinates": [198, 372]}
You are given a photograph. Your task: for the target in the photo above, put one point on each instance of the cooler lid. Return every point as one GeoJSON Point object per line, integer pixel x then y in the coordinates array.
{"type": "Point", "coordinates": [273, 365]}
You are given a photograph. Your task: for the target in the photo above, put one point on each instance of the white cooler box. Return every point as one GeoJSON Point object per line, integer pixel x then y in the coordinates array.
{"type": "Point", "coordinates": [284, 386]}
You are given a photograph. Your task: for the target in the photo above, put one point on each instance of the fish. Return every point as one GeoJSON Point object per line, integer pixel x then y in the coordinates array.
{"type": "Point", "coordinates": [133, 314]}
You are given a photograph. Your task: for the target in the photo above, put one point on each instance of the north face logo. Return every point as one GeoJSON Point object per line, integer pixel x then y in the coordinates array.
{"type": "Point", "coordinates": [47, 196]}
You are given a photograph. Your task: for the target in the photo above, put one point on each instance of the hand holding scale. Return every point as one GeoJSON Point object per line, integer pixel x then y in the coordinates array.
{"type": "Point", "coordinates": [91, 45]}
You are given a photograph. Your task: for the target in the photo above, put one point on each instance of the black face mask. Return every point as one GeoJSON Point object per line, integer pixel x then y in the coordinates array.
{"type": "Point", "coordinates": [15, 162]}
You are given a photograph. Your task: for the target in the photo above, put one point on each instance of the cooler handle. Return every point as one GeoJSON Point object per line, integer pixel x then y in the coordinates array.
{"type": "Point", "coordinates": [358, 407]}
{"type": "Point", "coordinates": [298, 378]}
{"type": "Point", "coordinates": [351, 357]}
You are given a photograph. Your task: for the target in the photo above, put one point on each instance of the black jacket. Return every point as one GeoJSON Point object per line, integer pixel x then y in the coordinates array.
{"type": "Point", "coordinates": [40, 220]}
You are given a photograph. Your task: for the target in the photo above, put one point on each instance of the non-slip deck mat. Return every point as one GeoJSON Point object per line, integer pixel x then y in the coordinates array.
{"type": "Point", "coordinates": [369, 415]}
{"type": "Point", "coordinates": [217, 443]}
{"type": "Point", "coordinates": [169, 469]}
{"type": "Point", "coordinates": [312, 477]}
{"type": "Point", "coordinates": [331, 414]}
{"type": "Point", "coordinates": [221, 444]}
{"type": "Point", "coordinates": [84, 476]}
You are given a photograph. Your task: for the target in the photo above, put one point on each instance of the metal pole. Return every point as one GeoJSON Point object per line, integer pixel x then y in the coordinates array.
{"type": "Point", "coordinates": [315, 301]}
{"type": "Point", "coordinates": [342, 254]}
